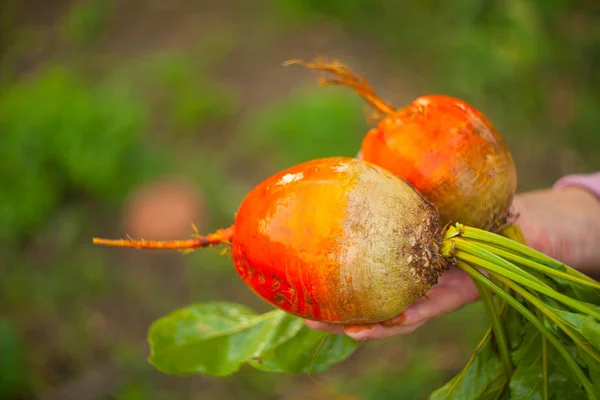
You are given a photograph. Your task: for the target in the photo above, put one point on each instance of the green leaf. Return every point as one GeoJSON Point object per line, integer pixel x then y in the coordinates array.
{"type": "Point", "coordinates": [308, 352]}
{"type": "Point", "coordinates": [310, 123]}
{"type": "Point", "coordinates": [585, 325]}
{"type": "Point", "coordinates": [217, 338]}
{"type": "Point", "coordinates": [483, 378]}
{"type": "Point", "coordinates": [16, 378]}
{"type": "Point", "coordinates": [526, 382]}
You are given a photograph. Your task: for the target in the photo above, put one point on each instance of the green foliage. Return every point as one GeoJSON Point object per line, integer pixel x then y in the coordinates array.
{"type": "Point", "coordinates": [583, 135]}
{"type": "Point", "coordinates": [553, 345]}
{"type": "Point", "coordinates": [61, 136]}
{"type": "Point", "coordinates": [344, 11]}
{"type": "Point", "coordinates": [310, 123]}
{"type": "Point", "coordinates": [527, 370]}
{"type": "Point", "coordinates": [15, 376]}
{"type": "Point", "coordinates": [192, 97]}
{"type": "Point", "coordinates": [181, 89]}
{"type": "Point", "coordinates": [218, 338]}
{"type": "Point", "coordinates": [408, 383]}
{"type": "Point", "coordinates": [482, 378]}
{"type": "Point", "coordinates": [86, 20]}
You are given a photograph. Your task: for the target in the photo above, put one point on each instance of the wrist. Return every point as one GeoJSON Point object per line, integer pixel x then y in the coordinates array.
{"type": "Point", "coordinates": [564, 223]}
{"type": "Point", "coordinates": [581, 200]}
{"type": "Point", "coordinates": [589, 183]}
{"type": "Point", "coordinates": [582, 193]}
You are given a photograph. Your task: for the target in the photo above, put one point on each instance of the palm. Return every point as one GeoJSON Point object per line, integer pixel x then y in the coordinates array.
{"type": "Point", "coordinates": [454, 289]}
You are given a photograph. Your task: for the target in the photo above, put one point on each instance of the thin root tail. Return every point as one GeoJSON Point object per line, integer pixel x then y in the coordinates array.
{"type": "Point", "coordinates": [344, 76]}
{"type": "Point", "coordinates": [222, 236]}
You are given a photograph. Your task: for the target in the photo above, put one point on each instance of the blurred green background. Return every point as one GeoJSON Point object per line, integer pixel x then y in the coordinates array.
{"type": "Point", "coordinates": [145, 116]}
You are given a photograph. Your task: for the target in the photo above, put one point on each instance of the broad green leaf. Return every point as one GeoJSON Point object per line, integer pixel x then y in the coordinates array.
{"type": "Point", "coordinates": [587, 330]}
{"type": "Point", "coordinates": [218, 338]}
{"type": "Point", "coordinates": [579, 292]}
{"type": "Point", "coordinates": [593, 372]}
{"type": "Point", "coordinates": [308, 352]}
{"type": "Point", "coordinates": [482, 379]}
{"type": "Point", "coordinates": [526, 381]}
{"type": "Point", "coordinates": [585, 325]}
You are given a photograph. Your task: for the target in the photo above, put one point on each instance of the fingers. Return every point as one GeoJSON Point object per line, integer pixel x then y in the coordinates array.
{"type": "Point", "coordinates": [457, 292]}
{"type": "Point", "coordinates": [378, 331]}
{"type": "Point", "coordinates": [362, 332]}
{"type": "Point", "coordinates": [454, 290]}
{"type": "Point", "coordinates": [336, 329]}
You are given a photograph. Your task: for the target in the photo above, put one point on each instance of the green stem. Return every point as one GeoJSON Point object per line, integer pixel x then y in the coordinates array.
{"type": "Point", "coordinates": [499, 333]}
{"type": "Point", "coordinates": [545, 377]}
{"type": "Point", "coordinates": [475, 275]}
{"type": "Point", "coordinates": [478, 250]}
{"type": "Point", "coordinates": [519, 259]}
{"type": "Point", "coordinates": [501, 241]}
{"type": "Point", "coordinates": [505, 268]}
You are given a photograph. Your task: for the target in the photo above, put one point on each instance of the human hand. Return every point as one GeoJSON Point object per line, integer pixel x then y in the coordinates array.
{"type": "Point", "coordinates": [562, 223]}
{"type": "Point", "coordinates": [453, 290]}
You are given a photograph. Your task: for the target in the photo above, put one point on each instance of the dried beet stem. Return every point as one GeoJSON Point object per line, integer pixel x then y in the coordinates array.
{"type": "Point", "coordinates": [346, 77]}
{"type": "Point", "coordinates": [222, 236]}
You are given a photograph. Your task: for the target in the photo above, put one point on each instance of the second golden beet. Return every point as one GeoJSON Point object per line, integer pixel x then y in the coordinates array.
{"type": "Point", "coordinates": [443, 146]}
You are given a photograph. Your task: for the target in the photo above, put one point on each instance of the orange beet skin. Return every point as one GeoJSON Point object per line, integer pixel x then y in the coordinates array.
{"type": "Point", "coordinates": [337, 240]}
{"type": "Point", "coordinates": [452, 154]}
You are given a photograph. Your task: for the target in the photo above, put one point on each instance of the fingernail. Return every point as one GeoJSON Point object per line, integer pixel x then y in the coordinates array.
{"type": "Point", "coordinates": [397, 320]}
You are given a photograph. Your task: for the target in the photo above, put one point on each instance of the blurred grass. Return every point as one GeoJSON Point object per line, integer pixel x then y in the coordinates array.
{"type": "Point", "coordinates": [82, 125]}
{"type": "Point", "coordinates": [63, 137]}
{"type": "Point", "coordinates": [86, 20]}
{"type": "Point", "coordinates": [309, 123]}
{"type": "Point", "coordinates": [179, 87]}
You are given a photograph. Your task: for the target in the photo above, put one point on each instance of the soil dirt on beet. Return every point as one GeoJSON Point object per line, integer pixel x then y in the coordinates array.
{"type": "Point", "coordinates": [145, 117]}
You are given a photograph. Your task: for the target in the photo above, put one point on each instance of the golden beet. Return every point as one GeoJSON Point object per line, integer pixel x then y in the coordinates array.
{"type": "Point", "coordinates": [337, 240]}
{"type": "Point", "coordinates": [452, 154]}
